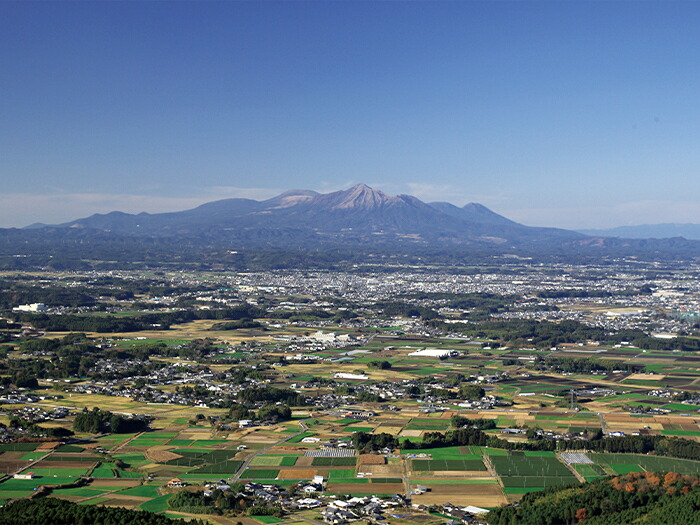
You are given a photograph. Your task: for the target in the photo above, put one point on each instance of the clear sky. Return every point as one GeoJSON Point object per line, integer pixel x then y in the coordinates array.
{"type": "Point", "coordinates": [558, 113]}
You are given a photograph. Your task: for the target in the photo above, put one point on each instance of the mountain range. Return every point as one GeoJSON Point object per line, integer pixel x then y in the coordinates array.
{"type": "Point", "coordinates": [359, 214]}
{"type": "Point", "coordinates": [650, 231]}
{"type": "Point", "coordinates": [357, 219]}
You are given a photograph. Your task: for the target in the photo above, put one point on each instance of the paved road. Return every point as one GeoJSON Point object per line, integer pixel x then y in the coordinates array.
{"type": "Point", "coordinates": [243, 468]}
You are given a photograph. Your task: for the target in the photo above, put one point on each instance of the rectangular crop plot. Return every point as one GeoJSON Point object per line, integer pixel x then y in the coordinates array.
{"type": "Point", "coordinates": [537, 482]}
{"type": "Point", "coordinates": [421, 465]}
{"type": "Point", "coordinates": [222, 467]}
{"type": "Point", "coordinates": [335, 462]}
{"type": "Point", "coordinates": [85, 459]}
{"type": "Point", "coordinates": [529, 466]}
{"type": "Point", "coordinates": [589, 471]}
{"type": "Point", "coordinates": [626, 468]}
{"type": "Point", "coordinates": [185, 462]}
{"type": "Point", "coordinates": [266, 461]}
{"type": "Point", "coordinates": [336, 474]}
{"type": "Point", "coordinates": [428, 424]}
{"type": "Point", "coordinates": [619, 462]}
{"type": "Point", "coordinates": [260, 474]}
{"type": "Point", "coordinates": [288, 461]}
{"type": "Point", "coordinates": [18, 447]}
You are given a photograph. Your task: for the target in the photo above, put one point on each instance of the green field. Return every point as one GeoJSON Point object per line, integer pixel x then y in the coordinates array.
{"type": "Point", "coordinates": [340, 474]}
{"type": "Point", "coordinates": [104, 471]}
{"type": "Point", "coordinates": [144, 491]}
{"type": "Point", "coordinates": [428, 424]}
{"type": "Point", "coordinates": [260, 474]}
{"type": "Point", "coordinates": [267, 519]}
{"type": "Point", "coordinates": [158, 504]}
{"type": "Point", "coordinates": [626, 468]}
{"type": "Point", "coordinates": [537, 481]}
{"type": "Point", "coordinates": [447, 464]}
{"type": "Point", "coordinates": [620, 462]}
{"type": "Point", "coordinates": [132, 459]}
{"type": "Point", "coordinates": [49, 473]}
{"type": "Point", "coordinates": [83, 492]}
{"type": "Point", "coordinates": [529, 466]}
{"type": "Point", "coordinates": [222, 467]}
{"type": "Point", "coordinates": [335, 462]}
{"type": "Point", "coordinates": [428, 482]}
{"type": "Point", "coordinates": [18, 447]}
{"type": "Point", "coordinates": [589, 471]}
{"type": "Point", "coordinates": [437, 453]}
{"type": "Point", "coordinates": [266, 461]}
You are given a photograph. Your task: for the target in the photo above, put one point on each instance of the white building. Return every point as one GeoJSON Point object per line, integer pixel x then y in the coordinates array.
{"type": "Point", "coordinates": [343, 375]}
{"type": "Point", "coordinates": [434, 352]}
{"type": "Point", "coordinates": [34, 307]}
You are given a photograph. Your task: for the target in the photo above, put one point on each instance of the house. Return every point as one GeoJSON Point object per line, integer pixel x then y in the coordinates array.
{"type": "Point", "coordinates": [176, 482]}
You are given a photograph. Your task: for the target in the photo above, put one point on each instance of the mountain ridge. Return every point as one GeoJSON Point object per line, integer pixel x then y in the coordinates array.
{"type": "Point", "coordinates": [666, 230]}
{"type": "Point", "coordinates": [351, 214]}
{"type": "Point", "coordinates": [356, 220]}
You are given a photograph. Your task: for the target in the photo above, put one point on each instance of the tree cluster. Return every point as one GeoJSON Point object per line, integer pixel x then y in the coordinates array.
{"type": "Point", "coordinates": [97, 421]}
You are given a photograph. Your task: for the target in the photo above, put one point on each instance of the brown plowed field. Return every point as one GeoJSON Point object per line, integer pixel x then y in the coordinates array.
{"type": "Point", "coordinates": [372, 459]}
{"type": "Point", "coordinates": [64, 464]}
{"type": "Point", "coordinates": [297, 473]}
{"type": "Point", "coordinates": [128, 503]}
{"type": "Point", "coordinates": [161, 456]}
{"type": "Point", "coordinates": [8, 467]}
{"type": "Point", "coordinates": [67, 498]}
{"type": "Point", "coordinates": [48, 445]}
{"type": "Point", "coordinates": [463, 495]}
{"type": "Point", "coordinates": [120, 482]}
{"type": "Point", "coordinates": [388, 471]}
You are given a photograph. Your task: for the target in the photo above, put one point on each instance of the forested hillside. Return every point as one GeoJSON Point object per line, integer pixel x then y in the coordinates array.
{"type": "Point", "coordinates": [639, 497]}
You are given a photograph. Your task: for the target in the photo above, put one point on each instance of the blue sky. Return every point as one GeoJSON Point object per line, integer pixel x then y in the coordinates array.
{"type": "Point", "coordinates": [569, 114]}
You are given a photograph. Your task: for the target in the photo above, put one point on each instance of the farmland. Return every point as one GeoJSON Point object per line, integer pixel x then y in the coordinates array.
{"type": "Point", "coordinates": [282, 401]}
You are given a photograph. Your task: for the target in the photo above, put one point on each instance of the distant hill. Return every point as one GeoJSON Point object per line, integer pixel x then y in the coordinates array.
{"type": "Point", "coordinates": [650, 231]}
{"type": "Point", "coordinates": [308, 228]}
{"type": "Point", "coordinates": [357, 215]}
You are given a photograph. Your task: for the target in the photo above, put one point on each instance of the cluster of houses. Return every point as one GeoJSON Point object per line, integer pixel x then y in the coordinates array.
{"type": "Point", "coordinates": [38, 414]}
{"type": "Point", "coordinates": [368, 508]}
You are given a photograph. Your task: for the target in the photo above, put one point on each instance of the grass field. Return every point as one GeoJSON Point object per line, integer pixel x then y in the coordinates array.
{"type": "Point", "coordinates": [537, 481]}
{"type": "Point", "coordinates": [447, 464]}
{"type": "Point", "coordinates": [620, 462]}
{"type": "Point", "coordinates": [335, 462]}
{"type": "Point", "coordinates": [158, 504]}
{"type": "Point", "coordinates": [437, 453]}
{"type": "Point", "coordinates": [267, 519]}
{"type": "Point", "coordinates": [260, 474]}
{"type": "Point", "coordinates": [222, 467]}
{"type": "Point", "coordinates": [529, 466]}
{"type": "Point", "coordinates": [266, 461]}
{"type": "Point", "coordinates": [335, 474]}
{"type": "Point", "coordinates": [589, 471]}
{"type": "Point", "coordinates": [144, 491]}
{"type": "Point", "coordinates": [437, 481]}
